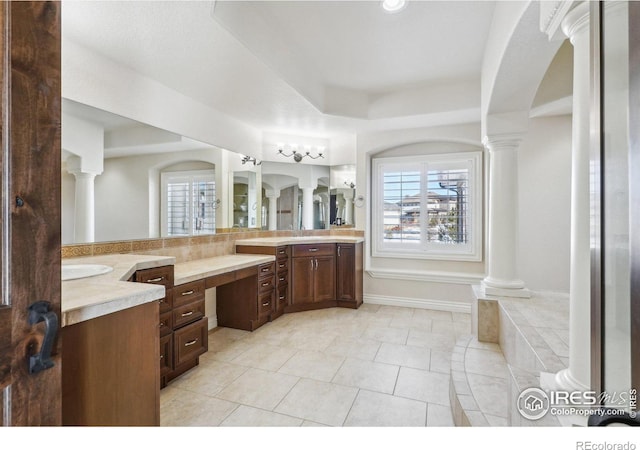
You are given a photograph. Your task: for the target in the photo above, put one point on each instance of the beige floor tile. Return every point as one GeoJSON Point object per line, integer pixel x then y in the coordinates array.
{"type": "Point", "coordinates": [490, 394]}
{"type": "Point", "coordinates": [434, 341]}
{"type": "Point", "coordinates": [359, 348]}
{"type": "Point", "coordinates": [229, 352]}
{"type": "Point", "coordinates": [246, 416]}
{"type": "Point", "coordinates": [310, 340]}
{"type": "Point", "coordinates": [434, 315]}
{"type": "Point", "coordinates": [439, 416]}
{"type": "Point", "coordinates": [444, 327]}
{"type": "Point", "coordinates": [264, 356]}
{"type": "Point", "coordinates": [228, 333]}
{"type": "Point", "coordinates": [315, 365]}
{"type": "Point", "coordinates": [396, 311]}
{"type": "Point", "coordinates": [308, 423]}
{"type": "Point", "coordinates": [368, 307]}
{"type": "Point", "coordinates": [209, 378]}
{"type": "Point", "coordinates": [386, 334]}
{"type": "Point", "coordinates": [440, 361]}
{"type": "Point", "coordinates": [430, 387]}
{"type": "Point", "coordinates": [259, 388]}
{"type": "Point", "coordinates": [195, 410]}
{"type": "Point", "coordinates": [419, 323]}
{"type": "Point", "coordinates": [404, 355]}
{"type": "Point", "coordinates": [485, 362]}
{"type": "Point", "coordinates": [367, 375]}
{"type": "Point", "coordinates": [374, 409]}
{"type": "Point", "coordinates": [317, 401]}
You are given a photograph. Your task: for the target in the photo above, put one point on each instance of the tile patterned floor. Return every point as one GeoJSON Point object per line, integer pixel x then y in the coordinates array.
{"type": "Point", "coordinates": [375, 366]}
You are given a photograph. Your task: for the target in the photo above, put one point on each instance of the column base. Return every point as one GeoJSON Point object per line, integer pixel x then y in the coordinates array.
{"type": "Point", "coordinates": [508, 289]}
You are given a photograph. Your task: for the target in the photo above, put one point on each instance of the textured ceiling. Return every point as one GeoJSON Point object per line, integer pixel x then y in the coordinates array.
{"type": "Point", "coordinates": [313, 68]}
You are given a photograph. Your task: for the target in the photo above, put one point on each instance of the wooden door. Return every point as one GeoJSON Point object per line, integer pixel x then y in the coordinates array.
{"type": "Point", "coordinates": [302, 272]}
{"type": "Point", "coordinates": [325, 278]}
{"type": "Point", "coordinates": [29, 208]}
{"type": "Point", "coordinates": [345, 273]}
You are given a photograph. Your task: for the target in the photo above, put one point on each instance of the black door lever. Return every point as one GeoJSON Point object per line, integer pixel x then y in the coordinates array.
{"type": "Point", "coordinates": [38, 312]}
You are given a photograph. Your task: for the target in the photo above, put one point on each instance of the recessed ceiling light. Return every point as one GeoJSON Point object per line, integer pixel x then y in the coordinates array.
{"type": "Point", "coordinates": [393, 6]}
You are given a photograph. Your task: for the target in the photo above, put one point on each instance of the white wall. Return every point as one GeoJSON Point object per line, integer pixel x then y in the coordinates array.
{"type": "Point", "coordinates": [544, 201]}
{"type": "Point", "coordinates": [411, 282]}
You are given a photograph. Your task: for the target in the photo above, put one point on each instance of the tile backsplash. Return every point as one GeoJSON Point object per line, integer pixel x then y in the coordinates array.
{"type": "Point", "coordinates": [189, 248]}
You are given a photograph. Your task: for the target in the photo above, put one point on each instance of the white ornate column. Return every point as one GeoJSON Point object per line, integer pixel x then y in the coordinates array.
{"type": "Point", "coordinates": [84, 221]}
{"type": "Point", "coordinates": [348, 206]}
{"type": "Point", "coordinates": [307, 208]}
{"type": "Point", "coordinates": [273, 196]}
{"type": "Point", "coordinates": [502, 279]}
{"type": "Point", "coordinates": [577, 377]}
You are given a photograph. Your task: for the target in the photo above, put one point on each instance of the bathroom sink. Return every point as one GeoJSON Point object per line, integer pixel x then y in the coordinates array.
{"type": "Point", "coordinates": [75, 271]}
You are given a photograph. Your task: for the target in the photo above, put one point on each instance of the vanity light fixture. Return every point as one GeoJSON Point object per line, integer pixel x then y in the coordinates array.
{"type": "Point", "coordinates": [393, 6]}
{"type": "Point", "coordinates": [250, 159]}
{"type": "Point", "coordinates": [297, 156]}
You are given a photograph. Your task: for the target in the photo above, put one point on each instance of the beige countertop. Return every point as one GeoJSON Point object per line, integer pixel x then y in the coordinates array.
{"type": "Point", "coordinates": [91, 297]}
{"type": "Point", "coordinates": [198, 269]}
{"type": "Point", "coordinates": [288, 240]}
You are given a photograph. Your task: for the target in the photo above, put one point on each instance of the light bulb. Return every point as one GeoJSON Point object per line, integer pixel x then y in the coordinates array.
{"type": "Point", "coordinates": [393, 5]}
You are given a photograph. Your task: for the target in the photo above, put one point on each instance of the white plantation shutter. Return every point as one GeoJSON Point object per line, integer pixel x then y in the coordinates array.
{"type": "Point", "coordinates": [188, 207]}
{"type": "Point", "coordinates": [428, 207]}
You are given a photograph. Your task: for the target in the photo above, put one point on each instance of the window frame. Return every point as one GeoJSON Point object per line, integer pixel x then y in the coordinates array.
{"type": "Point", "coordinates": [190, 176]}
{"type": "Point", "coordinates": [422, 249]}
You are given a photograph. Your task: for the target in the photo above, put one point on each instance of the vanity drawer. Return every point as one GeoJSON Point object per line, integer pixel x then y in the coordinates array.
{"type": "Point", "coordinates": [188, 313]}
{"type": "Point", "coordinates": [158, 275]}
{"type": "Point", "coordinates": [282, 265]}
{"type": "Point", "coordinates": [282, 297]}
{"type": "Point", "coordinates": [265, 304]}
{"type": "Point", "coordinates": [166, 354]}
{"type": "Point", "coordinates": [265, 284]}
{"type": "Point", "coordinates": [282, 252]}
{"type": "Point", "coordinates": [188, 292]}
{"type": "Point", "coordinates": [190, 342]}
{"type": "Point", "coordinates": [313, 250]}
{"type": "Point", "coordinates": [166, 303]}
{"type": "Point", "coordinates": [282, 279]}
{"type": "Point", "coordinates": [166, 323]}
{"type": "Point", "coordinates": [266, 270]}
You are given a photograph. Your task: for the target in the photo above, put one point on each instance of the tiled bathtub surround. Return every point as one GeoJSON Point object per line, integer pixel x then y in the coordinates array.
{"type": "Point", "coordinates": [375, 366]}
{"type": "Point", "coordinates": [189, 248]}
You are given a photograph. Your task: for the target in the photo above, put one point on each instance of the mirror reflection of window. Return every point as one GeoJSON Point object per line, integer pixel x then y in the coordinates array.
{"type": "Point", "coordinates": [188, 203]}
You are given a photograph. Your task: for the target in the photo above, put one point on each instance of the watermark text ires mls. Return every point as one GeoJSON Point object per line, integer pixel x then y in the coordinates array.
{"type": "Point", "coordinates": [534, 403]}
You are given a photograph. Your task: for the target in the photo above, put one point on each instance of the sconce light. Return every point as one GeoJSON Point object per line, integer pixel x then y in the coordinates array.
{"type": "Point", "coordinates": [297, 156]}
{"type": "Point", "coordinates": [359, 201]}
{"type": "Point", "coordinates": [215, 204]}
{"type": "Point", "coordinates": [350, 184]}
{"type": "Point", "coordinates": [250, 159]}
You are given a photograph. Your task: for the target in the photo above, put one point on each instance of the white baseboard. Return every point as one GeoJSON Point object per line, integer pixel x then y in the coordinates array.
{"type": "Point", "coordinates": [423, 303]}
{"type": "Point", "coordinates": [212, 322]}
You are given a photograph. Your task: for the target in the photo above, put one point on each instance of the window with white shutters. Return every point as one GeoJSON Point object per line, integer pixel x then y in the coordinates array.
{"type": "Point", "coordinates": [188, 203]}
{"type": "Point", "coordinates": [428, 207]}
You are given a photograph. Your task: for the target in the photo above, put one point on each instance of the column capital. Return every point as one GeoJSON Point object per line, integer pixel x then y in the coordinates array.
{"type": "Point", "coordinates": [505, 141]}
{"type": "Point", "coordinates": [80, 175]}
{"type": "Point", "coordinates": [576, 20]}
{"type": "Point", "coordinates": [272, 193]}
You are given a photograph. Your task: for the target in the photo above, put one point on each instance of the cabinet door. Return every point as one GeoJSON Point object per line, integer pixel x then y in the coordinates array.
{"type": "Point", "coordinates": [166, 354]}
{"type": "Point", "coordinates": [345, 273]}
{"type": "Point", "coordinates": [325, 278]}
{"type": "Point", "coordinates": [302, 280]}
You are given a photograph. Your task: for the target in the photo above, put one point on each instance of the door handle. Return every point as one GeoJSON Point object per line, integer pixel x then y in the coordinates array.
{"type": "Point", "coordinates": [41, 312]}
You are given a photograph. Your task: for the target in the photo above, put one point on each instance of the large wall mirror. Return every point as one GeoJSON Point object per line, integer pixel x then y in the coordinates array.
{"type": "Point", "coordinates": [123, 180]}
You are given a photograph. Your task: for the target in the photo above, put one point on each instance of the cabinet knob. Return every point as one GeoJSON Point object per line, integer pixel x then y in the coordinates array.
{"type": "Point", "coordinates": [265, 304]}
{"type": "Point", "coordinates": [266, 284]}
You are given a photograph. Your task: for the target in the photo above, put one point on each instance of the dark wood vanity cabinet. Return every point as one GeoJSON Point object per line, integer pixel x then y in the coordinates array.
{"type": "Point", "coordinates": [313, 271]}
{"type": "Point", "coordinates": [182, 323]}
{"type": "Point", "coordinates": [349, 274]}
{"type": "Point", "coordinates": [281, 293]}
